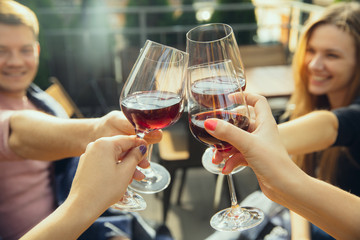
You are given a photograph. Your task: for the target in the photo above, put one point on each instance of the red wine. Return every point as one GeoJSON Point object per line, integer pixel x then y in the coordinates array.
{"type": "Point", "coordinates": [213, 92]}
{"type": "Point", "coordinates": [197, 128]}
{"type": "Point", "coordinates": [152, 110]}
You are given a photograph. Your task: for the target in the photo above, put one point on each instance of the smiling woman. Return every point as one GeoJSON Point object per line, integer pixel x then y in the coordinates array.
{"type": "Point", "coordinates": [323, 134]}
{"type": "Point", "coordinates": [331, 59]}
{"type": "Point", "coordinates": [323, 131]}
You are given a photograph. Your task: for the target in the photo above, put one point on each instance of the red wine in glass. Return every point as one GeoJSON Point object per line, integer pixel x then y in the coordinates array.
{"type": "Point", "coordinates": [213, 92]}
{"type": "Point", "coordinates": [152, 110]}
{"type": "Point", "coordinates": [196, 125]}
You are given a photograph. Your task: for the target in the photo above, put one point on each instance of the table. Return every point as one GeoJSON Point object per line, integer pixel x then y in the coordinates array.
{"type": "Point", "coordinates": [270, 81]}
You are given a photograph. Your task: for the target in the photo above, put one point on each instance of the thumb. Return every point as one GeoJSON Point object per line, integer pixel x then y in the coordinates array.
{"type": "Point", "coordinates": [228, 132]}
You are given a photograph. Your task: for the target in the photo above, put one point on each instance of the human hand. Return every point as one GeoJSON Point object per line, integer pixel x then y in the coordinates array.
{"type": "Point", "coordinates": [232, 155]}
{"type": "Point", "coordinates": [105, 170]}
{"type": "Point", "coordinates": [115, 123]}
{"type": "Point", "coordinates": [260, 148]}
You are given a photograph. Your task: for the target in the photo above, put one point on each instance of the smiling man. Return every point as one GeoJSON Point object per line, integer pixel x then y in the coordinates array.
{"type": "Point", "coordinates": [26, 191]}
{"type": "Point", "coordinates": [19, 56]}
{"type": "Point", "coordinates": [35, 130]}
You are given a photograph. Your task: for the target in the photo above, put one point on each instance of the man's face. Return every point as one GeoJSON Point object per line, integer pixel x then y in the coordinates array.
{"type": "Point", "coordinates": [19, 59]}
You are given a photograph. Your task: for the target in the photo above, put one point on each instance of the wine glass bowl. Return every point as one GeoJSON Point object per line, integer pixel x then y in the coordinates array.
{"type": "Point", "coordinates": [151, 110]}
{"type": "Point", "coordinates": [214, 42]}
{"type": "Point", "coordinates": [209, 87]}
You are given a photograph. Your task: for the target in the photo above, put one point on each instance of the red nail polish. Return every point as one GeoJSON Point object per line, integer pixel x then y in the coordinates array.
{"type": "Point", "coordinates": [210, 124]}
{"type": "Point", "coordinates": [225, 170]}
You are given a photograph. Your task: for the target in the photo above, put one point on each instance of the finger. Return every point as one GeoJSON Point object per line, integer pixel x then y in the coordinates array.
{"type": "Point", "coordinates": [121, 120]}
{"type": "Point", "coordinates": [237, 137]}
{"type": "Point", "coordinates": [261, 107]}
{"type": "Point", "coordinates": [257, 103]}
{"type": "Point", "coordinates": [128, 164]}
{"type": "Point", "coordinates": [234, 161]}
{"type": "Point", "coordinates": [222, 155]}
{"type": "Point", "coordinates": [252, 125]}
{"type": "Point", "coordinates": [138, 176]}
{"type": "Point", "coordinates": [144, 163]}
{"type": "Point", "coordinates": [135, 155]}
{"type": "Point", "coordinates": [125, 143]}
{"type": "Point", "coordinates": [153, 137]}
{"type": "Point", "coordinates": [217, 157]}
{"type": "Point", "coordinates": [227, 132]}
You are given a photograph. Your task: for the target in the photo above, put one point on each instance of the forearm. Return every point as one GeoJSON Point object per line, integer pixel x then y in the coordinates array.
{"type": "Point", "coordinates": [312, 132]}
{"type": "Point", "coordinates": [68, 221]}
{"type": "Point", "coordinates": [300, 227]}
{"type": "Point", "coordinates": [40, 136]}
{"type": "Point", "coordinates": [330, 208]}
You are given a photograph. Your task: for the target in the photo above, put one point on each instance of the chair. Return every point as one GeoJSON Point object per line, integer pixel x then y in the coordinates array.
{"type": "Point", "coordinates": [58, 92]}
{"type": "Point", "coordinates": [178, 150]}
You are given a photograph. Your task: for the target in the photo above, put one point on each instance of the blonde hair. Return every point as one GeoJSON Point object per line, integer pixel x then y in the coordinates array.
{"type": "Point", "coordinates": [345, 16]}
{"type": "Point", "coordinates": [14, 13]}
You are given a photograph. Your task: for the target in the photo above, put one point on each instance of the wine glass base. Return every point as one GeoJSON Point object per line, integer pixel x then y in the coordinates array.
{"type": "Point", "coordinates": [131, 203]}
{"type": "Point", "coordinates": [215, 168]}
{"type": "Point", "coordinates": [156, 181]}
{"type": "Point", "coordinates": [231, 220]}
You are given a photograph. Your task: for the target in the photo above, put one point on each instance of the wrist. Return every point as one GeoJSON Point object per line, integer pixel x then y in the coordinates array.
{"type": "Point", "coordinates": [68, 221]}
{"type": "Point", "coordinates": [293, 188]}
{"type": "Point", "coordinates": [86, 132]}
{"type": "Point", "coordinates": [82, 209]}
{"type": "Point", "coordinates": [287, 182]}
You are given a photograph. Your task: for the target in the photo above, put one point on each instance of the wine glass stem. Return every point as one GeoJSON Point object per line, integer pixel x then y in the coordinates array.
{"type": "Point", "coordinates": [150, 147]}
{"type": "Point", "coordinates": [150, 175]}
{"type": "Point", "coordinates": [234, 203]}
{"type": "Point", "coordinates": [127, 196]}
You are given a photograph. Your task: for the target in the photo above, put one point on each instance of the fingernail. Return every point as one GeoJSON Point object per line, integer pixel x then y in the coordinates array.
{"type": "Point", "coordinates": [225, 170]}
{"type": "Point", "coordinates": [142, 149]}
{"type": "Point", "coordinates": [210, 124]}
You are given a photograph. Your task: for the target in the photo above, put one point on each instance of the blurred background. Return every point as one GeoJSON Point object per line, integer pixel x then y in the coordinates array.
{"type": "Point", "coordinates": [91, 45]}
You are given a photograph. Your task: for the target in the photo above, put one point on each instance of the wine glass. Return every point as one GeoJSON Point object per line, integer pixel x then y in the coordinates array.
{"type": "Point", "coordinates": [210, 43]}
{"type": "Point", "coordinates": [151, 99]}
{"type": "Point", "coordinates": [210, 94]}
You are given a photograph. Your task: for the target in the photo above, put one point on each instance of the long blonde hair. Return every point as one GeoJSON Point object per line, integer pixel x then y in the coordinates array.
{"type": "Point", "coordinates": [345, 16]}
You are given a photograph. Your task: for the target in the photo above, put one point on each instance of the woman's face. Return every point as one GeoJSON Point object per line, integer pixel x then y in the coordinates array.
{"type": "Point", "coordinates": [330, 59]}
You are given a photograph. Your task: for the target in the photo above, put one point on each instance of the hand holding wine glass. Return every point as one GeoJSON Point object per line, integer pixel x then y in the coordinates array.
{"type": "Point", "coordinates": [210, 88]}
